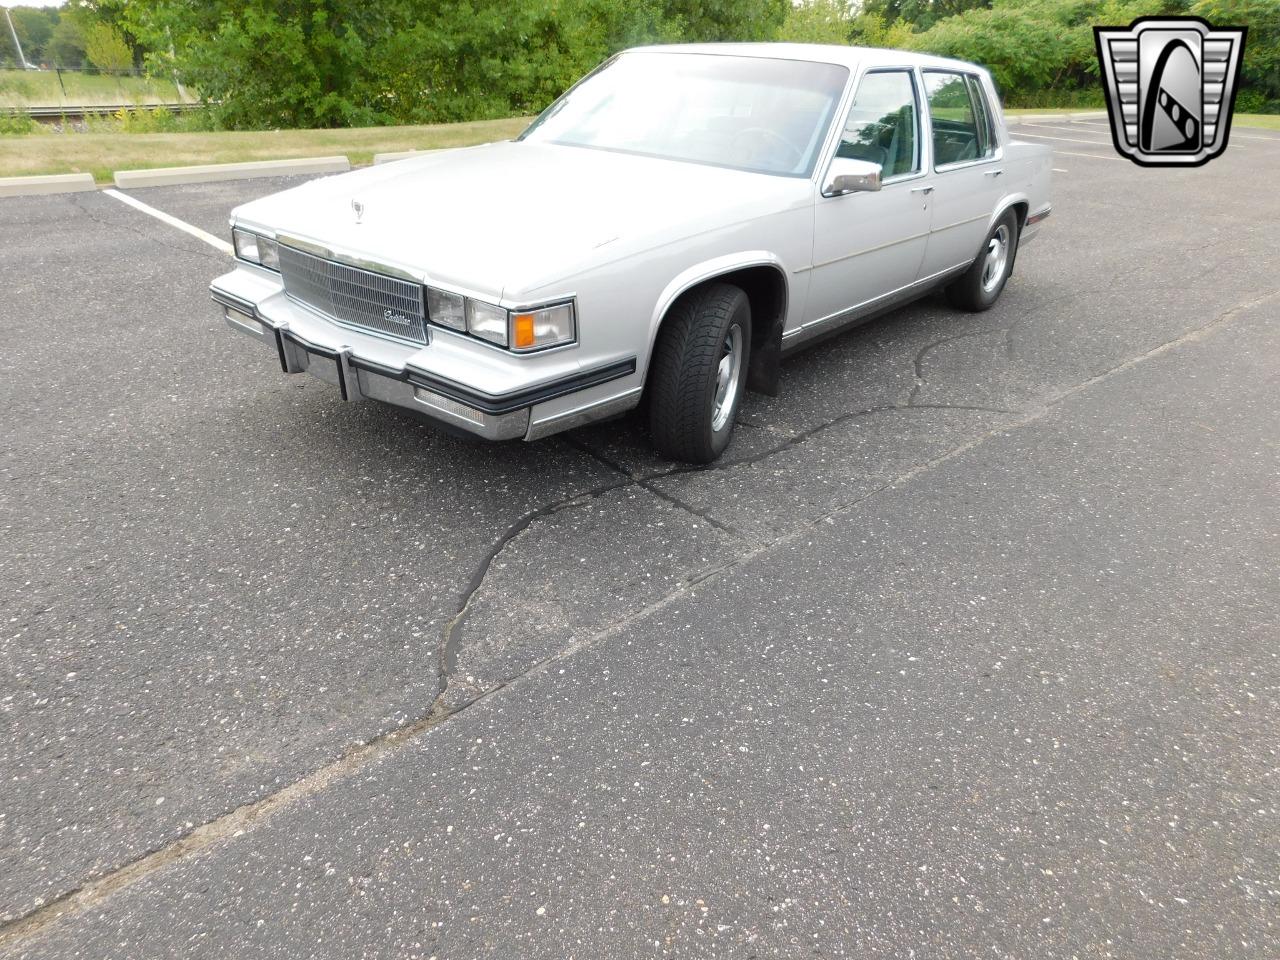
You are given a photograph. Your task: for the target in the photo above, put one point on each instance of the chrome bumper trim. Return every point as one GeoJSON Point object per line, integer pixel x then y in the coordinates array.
{"type": "Point", "coordinates": [494, 417]}
{"type": "Point", "coordinates": [587, 413]}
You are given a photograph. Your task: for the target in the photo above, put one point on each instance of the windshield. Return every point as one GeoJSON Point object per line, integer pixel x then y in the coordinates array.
{"type": "Point", "coordinates": [749, 113]}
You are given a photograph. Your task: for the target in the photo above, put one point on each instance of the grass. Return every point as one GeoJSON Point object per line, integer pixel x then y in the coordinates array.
{"type": "Point", "coordinates": [1271, 121]}
{"type": "Point", "coordinates": [1016, 111]}
{"type": "Point", "coordinates": [103, 153]}
{"type": "Point", "coordinates": [40, 88]}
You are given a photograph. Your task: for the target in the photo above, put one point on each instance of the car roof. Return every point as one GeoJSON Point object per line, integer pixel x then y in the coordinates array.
{"type": "Point", "coordinates": [851, 57]}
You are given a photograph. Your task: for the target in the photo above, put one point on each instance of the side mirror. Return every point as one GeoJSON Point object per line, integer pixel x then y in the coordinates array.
{"type": "Point", "coordinates": [846, 175]}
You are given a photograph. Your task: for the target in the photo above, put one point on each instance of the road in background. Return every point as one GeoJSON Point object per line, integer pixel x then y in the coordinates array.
{"type": "Point", "coordinates": [968, 647]}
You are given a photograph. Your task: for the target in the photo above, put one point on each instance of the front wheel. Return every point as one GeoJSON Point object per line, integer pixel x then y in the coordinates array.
{"type": "Point", "coordinates": [699, 373]}
{"type": "Point", "coordinates": [980, 286]}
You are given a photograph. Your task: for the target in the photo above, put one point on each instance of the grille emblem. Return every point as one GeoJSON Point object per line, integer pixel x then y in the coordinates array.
{"type": "Point", "coordinates": [358, 209]}
{"type": "Point", "coordinates": [1171, 86]}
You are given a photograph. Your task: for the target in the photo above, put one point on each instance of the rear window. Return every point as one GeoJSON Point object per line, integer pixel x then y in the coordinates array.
{"type": "Point", "coordinates": [962, 129]}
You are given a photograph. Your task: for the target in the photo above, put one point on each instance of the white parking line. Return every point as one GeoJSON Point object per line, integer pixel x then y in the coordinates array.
{"type": "Point", "coordinates": [1058, 170]}
{"type": "Point", "coordinates": [209, 238]}
{"type": "Point", "coordinates": [1245, 136]}
{"type": "Point", "coordinates": [1050, 126]}
{"type": "Point", "coordinates": [1091, 156]}
{"type": "Point", "coordinates": [1041, 136]}
{"type": "Point", "coordinates": [1102, 125]}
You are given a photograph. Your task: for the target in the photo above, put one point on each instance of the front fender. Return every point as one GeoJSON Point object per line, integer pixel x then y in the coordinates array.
{"type": "Point", "coordinates": [767, 345]}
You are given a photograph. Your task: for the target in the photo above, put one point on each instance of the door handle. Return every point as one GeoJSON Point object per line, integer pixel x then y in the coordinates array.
{"type": "Point", "coordinates": [993, 173]}
{"type": "Point", "coordinates": [926, 189]}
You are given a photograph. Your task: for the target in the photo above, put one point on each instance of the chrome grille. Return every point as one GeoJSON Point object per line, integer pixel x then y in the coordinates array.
{"type": "Point", "coordinates": [351, 295]}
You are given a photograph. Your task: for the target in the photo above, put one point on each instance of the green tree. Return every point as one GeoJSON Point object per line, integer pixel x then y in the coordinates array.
{"type": "Point", "coordinates": [1261, 68]}
{"type": "Point", "coordinates": [66, 43]}
{"type": "Point", "coordinates": [1035, 49]}
{"type": "Point", "coordinates": [106, 48]}
{"type": "Point", "coordinates": [817, 21]}
{"type": "Point", "coordinates": [707, 20]}
{"type": "Point", "coordinates": [34, 26]}
{"type": "Point", "coordinates": [339, 62]}
{"type": "Point", "coordinates": [920, 14]}
{"type": "Point", "coordinates": [873, 30]}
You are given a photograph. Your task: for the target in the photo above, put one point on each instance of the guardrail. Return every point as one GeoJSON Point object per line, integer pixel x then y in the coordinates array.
{"type": "Point", "coordinates": [96, 110]}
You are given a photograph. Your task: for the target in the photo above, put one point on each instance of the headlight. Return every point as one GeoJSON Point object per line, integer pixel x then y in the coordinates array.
{"type": "Point", "coordinates": [256, 249]}
{"type": "Point", "coordinates": [269, 251]}
{"type": "Point", "coordinates": [522, 332]}
{"type": "Point", "coordinates": [547, 327]}
{"type": "Point", "coordinates": [487, 322]}
{"type": "Point", "coordinates": [447, 309]}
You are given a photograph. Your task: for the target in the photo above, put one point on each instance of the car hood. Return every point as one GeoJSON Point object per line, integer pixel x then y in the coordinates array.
{"type": "Point", "coordinates": [508, 217]}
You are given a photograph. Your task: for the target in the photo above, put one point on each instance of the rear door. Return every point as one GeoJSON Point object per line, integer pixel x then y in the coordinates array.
{"type": "Point", "coordinates": [967, 160]}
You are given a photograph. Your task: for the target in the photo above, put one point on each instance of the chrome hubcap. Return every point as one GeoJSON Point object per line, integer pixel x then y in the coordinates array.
{"type": "Point", "coordinates": [728, 378]}
{"type": "Point", "coordinates": [997, 256]}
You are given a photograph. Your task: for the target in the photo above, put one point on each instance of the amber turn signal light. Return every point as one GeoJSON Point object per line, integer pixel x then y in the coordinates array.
{"type": "Point", "coordinates": [522, 324]}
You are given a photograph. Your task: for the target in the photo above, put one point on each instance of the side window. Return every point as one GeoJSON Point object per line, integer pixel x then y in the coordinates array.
{"type": "Point", "coordinates": [986, 128]}
{"type": "Point", "coordinates": [883, 124]}
{"type": "Point", "coordinates": [956, 138]}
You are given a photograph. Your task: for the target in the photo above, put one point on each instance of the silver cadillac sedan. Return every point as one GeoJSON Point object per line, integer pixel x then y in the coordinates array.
{"type": "Point", "coordinates": [662, 235]}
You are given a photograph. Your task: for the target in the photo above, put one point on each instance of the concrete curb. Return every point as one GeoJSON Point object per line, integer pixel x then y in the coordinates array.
{"type": "Point", "coordinates": [399, 155]}
{"type": "Point", "coordinates": [214, 172]}
{"type": "Point", "coordinates": [39, 186]}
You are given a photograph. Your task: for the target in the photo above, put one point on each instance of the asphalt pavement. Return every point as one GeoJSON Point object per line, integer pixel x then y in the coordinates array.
{"type": "Point", "coordinates": [970, 646]}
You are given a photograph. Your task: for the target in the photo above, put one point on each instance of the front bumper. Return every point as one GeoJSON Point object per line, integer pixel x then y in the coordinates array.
{"type": "Point", "coordinates": [363, 366]}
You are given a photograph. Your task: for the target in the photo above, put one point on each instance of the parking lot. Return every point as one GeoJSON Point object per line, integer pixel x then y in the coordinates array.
{"type": "Point", "coordinates": [970, 646]}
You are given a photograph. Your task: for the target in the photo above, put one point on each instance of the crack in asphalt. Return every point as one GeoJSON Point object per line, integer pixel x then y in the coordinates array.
{"type": "Point", "coordinates": [246, 817]}
{"type": "Point", "coordinates": [918, 362]}
{"type": "Point", "coordinates": [647, 483]}
{"type": "Point", "coordinates": [449, 635]}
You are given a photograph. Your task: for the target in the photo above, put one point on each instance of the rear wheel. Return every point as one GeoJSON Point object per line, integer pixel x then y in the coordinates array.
{"type": "Point", "coordinates": [699, 373]}
{"type": "Point", "coordinates": [980, 286]}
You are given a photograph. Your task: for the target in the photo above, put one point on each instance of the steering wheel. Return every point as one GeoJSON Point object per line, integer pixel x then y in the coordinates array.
{"type": "Point", "coordinates": [795, 153]}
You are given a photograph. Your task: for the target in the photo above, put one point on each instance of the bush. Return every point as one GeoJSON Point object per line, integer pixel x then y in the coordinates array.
{"type": "Point", "coordinates": [146, 120]}
{"type": "Point", "coordinates": [152, 120]}
{"type": "Point", "coordinates": [1261, 69]}
{"type": "Point", "coordinates": [1255, 101]}
{"type": "Point", "coordinates": [1038, 51]}
{"type": "Point", "coordinates": [332, 63]}
{"type": "Point", "coordinates": [17, 125]}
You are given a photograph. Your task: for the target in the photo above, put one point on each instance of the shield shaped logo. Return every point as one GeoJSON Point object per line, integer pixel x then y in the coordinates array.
{"type": "Point", "coordinates": [358, 209]}
{"type": "Point", "coordinates": [1171, 87]}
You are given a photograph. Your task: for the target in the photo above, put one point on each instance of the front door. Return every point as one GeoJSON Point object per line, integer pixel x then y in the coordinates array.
{"type": "Point", "coordinates": [869, 245]}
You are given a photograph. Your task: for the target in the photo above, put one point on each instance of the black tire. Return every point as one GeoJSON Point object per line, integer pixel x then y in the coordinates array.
{"type": "Point", "coordinates": [685, 402]}
{"type": "Point", "coordinates": [976, 290]}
